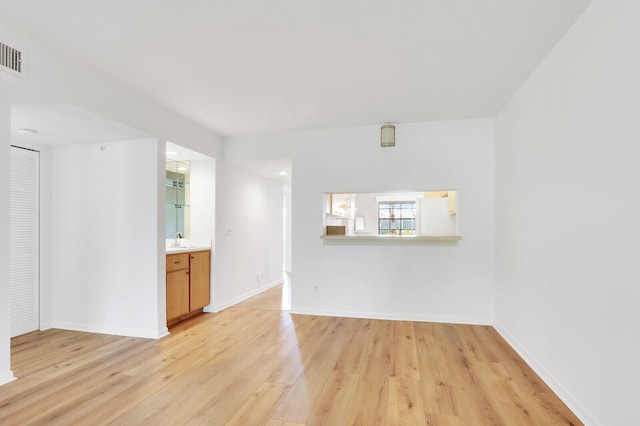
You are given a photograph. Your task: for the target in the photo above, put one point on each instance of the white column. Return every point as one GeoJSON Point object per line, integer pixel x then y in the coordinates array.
{"type": "Point", "coordinates": [6, 375]}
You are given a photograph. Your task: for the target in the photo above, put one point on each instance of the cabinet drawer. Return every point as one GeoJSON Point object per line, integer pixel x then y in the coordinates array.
{"type": "Point", "coordinates": [176, 262]}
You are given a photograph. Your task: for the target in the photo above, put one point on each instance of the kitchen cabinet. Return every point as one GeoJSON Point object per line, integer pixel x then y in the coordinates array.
{"type": "Point", "coordinates": [188, 284]}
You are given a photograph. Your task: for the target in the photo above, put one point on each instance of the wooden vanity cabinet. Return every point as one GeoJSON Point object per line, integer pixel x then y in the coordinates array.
{"type": "Point", "coordinates": [177, 285]}
{"type": "Point", "coordinates": [200, 287]}
{"type": "Point", "coordinates": [188, 284]}
{"type": "Point", "coordinates": [177, 294]}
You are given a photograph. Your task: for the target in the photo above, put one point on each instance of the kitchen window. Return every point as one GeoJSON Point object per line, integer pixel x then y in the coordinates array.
{"type": "Point", "coordinates": [397, 218]}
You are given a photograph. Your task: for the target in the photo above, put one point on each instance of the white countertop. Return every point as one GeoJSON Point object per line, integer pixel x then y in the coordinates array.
{"type": "Point", "coordinates": [185, 245]}
{"type": "Point", "coordinates": [171, 250]}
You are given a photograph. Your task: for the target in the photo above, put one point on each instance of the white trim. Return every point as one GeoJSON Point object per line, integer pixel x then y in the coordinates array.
{"type": "Point", "coordinates": [549, 379]}
{"type": "Point", "coordinates": [117, 331]}
{"type": "Point", "coordinates": [7, 377]}
{"type": "Point", "coordinates": [162, 332]}
{"type": "Point", "coordinates": [45, 326]}
{"type": "Point", "coordinates": [393, 317]}
{"type": "Point", "coordinates": [236, 300]}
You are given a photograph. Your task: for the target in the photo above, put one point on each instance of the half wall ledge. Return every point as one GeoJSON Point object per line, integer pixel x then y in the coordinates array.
{"type": "Point", "coordinates": [392, 240]}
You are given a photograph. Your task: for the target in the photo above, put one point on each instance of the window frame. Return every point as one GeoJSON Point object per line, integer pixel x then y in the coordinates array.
{"type": "Point", "coordinates": [408, 210]}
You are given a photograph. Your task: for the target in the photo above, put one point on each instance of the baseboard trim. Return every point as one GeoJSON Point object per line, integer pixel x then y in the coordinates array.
{"type": "Point", "coordinates": [236, 300]}
{"type": "Point", "coordinates": [392, 316]}
{"type": "Point", "coordinates": [162, 332]}
{"type": "Point", "coordinates": [6, 377]}
{"type": "Point", "coordinates": [550, 380]}
{"type": "Point", "coordinates": [116, 331]}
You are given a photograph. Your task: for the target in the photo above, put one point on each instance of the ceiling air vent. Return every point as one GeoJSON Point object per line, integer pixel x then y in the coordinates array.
{"type": "Point", "coordinates": [11, 60]}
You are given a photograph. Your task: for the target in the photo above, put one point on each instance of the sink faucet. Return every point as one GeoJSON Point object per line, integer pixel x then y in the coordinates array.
{"type": "Point", "coordinates": [176, 243]}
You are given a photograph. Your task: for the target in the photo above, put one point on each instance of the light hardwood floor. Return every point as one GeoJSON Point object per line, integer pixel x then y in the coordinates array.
{"type": "Point", "coordinates": [253, 364]}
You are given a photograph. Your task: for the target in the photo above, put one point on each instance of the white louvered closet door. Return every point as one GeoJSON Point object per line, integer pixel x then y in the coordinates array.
{"type": "Point", "coordinates": [24, 284]}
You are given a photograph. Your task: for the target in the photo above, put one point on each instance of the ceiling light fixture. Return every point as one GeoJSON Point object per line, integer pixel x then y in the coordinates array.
{"type": "Point", "coordinates": [28, 132]}
{"type": "Point", "coordinates": [282, 173]}
{"type": "Point", "coordinates": [388, 135]}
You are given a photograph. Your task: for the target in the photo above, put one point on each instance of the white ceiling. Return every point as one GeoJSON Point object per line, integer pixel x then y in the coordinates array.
{"type": "Point", "coordinates": [263, 65]}
{"type": "Point", "coordinates": [62, 124]}
{"type": "Point", "coordinates": [271, 169]}
{"type": "Point", "coordinates": [182, 153]}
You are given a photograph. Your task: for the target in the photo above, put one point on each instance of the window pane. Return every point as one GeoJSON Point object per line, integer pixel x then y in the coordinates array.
{"type": "Point", "coordinates": [396, 218]}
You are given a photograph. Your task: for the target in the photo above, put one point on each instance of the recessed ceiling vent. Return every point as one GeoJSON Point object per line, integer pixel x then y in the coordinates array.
{"type": "Point", "coordinates": [11, 60]}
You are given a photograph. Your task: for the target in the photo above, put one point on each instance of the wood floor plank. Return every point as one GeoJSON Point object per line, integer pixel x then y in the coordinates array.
{"type": "Point", "coordinates": [280, 423]}
{"type": "Point", "coordinates": [260, 405]}
{"type": "Point", "coordinates": [334, 406]}
{"type": "Point", "coordinates": [405, 405]}
{"type": "Point", "coordinates": [356, 349]}
{"type": "Point", "coordinates": [405, 355]}
{"type": "Point", "coordinates": [51, 393]}
{"type": "Point", "coordinates": [254, 364]}
{"type": "Point", "coordinates": [372, 397]}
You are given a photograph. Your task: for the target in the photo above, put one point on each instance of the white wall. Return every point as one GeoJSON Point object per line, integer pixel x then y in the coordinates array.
{"type": "Point", "coordinates": [367, 206]}
{"type": "Point", "coordinates": [203, 205]}
{"type": "Point", "coordinates": [434, 282]}
{"type": "Point", "coordinates": [450, 282]}
{"type": "Point", "coordinates": [106, 238]}
{"type": "Point", "coordinates": [435, 219]}
{"type": "Point", "coordinates": [203, 193]}
{"type": "Point", "coordinates": [5, 344]}
{"type": "Point", "coordinates": [287, 228]}
{"type": "Point", "coordinates": [567, 262]}
{"type": "Point", "coordinates": [248, 237]}
{"type": "Point", "coordinates": [55, 79]}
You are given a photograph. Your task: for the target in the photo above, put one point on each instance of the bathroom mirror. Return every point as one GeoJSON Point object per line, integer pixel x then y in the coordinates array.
{"type": "Point", "coordinates": [178, 197]}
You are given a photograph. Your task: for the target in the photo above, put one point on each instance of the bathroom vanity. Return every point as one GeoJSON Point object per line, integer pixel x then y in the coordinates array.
{"type": "Point", "coordinates": [188, 282]}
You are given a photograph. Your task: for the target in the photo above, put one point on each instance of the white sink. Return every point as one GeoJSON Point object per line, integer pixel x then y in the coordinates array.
{"type": "Point", "coordinates": [186, 244]}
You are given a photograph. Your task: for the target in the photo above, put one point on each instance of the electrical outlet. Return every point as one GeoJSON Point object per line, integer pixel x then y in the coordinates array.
{"type": "Point", "coordinates": [316, 289]}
